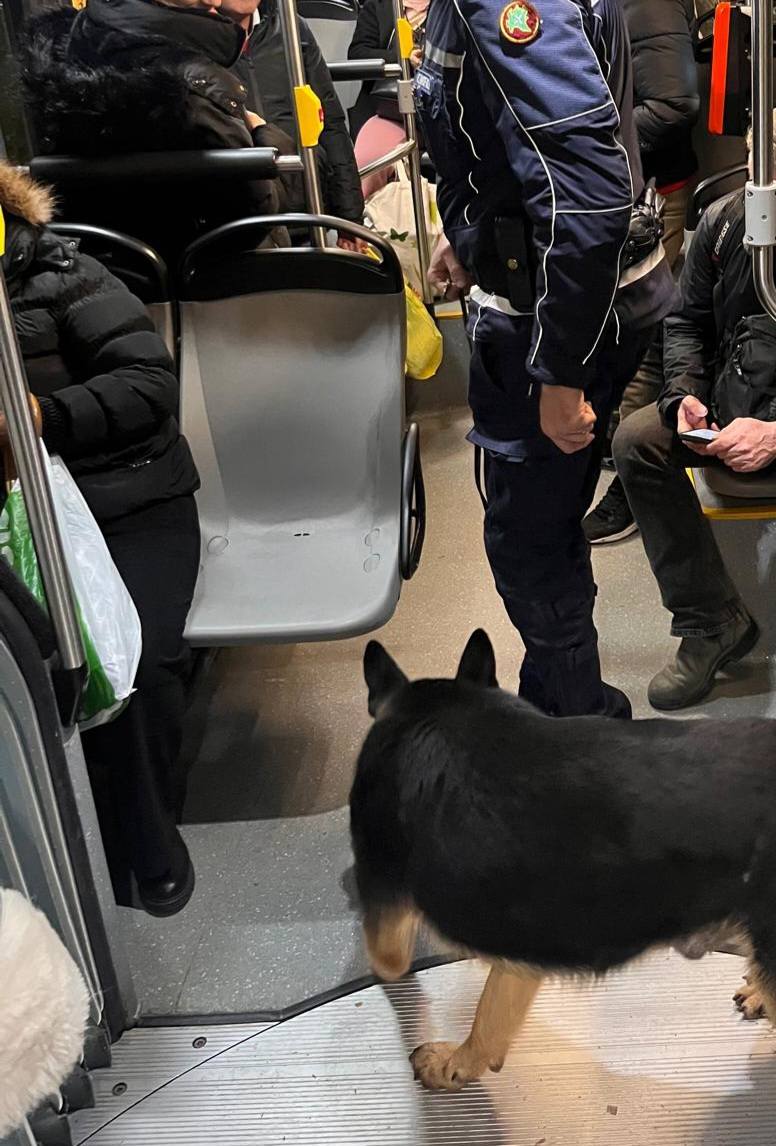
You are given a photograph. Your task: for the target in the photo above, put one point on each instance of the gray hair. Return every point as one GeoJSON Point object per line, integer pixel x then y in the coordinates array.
{"type": "Point", "coordinates": [749, 145]}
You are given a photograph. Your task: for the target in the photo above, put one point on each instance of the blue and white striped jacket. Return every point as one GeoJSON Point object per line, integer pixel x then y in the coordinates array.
{"type": "Point", "coordinates": [540, 131]}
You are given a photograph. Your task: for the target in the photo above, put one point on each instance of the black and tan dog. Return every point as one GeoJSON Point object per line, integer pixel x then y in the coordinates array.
{"type": "Point", "coordinates": [548, 846]}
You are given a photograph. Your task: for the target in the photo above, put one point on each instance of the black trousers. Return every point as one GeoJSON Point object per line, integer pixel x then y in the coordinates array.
{"type": "Point", "coordinates": [133, 762]}
{"type": "Point", "coordinates": [537, 549]}
{"type": "Point", "coordinates": [694, 584]}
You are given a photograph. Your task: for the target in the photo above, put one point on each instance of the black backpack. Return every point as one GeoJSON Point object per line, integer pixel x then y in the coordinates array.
{"type": "Point", "coordinates": [745, 386]}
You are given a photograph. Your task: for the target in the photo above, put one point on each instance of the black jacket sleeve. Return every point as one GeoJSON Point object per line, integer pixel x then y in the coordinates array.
{"type": "Point", "coordinates": [369, 42]}
{"type": "Point", "coordinates": [665, 75]}
{"type": "Point", "coordinates": [689, 334]}
{"type": "Point", "coordinates": [342, 193]}
{"type": "Point", "coordinates": [215, 114]}
{"type": "Point", "coordinates": [128, 387]}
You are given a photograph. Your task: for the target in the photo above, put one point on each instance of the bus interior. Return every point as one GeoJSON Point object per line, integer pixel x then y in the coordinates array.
{"type": "Point", "coordinates": [252, 1017]}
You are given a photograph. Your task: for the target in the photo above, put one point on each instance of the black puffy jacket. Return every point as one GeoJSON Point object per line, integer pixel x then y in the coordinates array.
{"type": "Point", "coordinates": [104, 379]}
{"type": "Point", "coordinates": [262, 69]}
{"type": "Point", "coordinates": [133, 75]}
{"type": "Point", "coordinates": [665, 84]}
{"type": "Point", "coordinates": [716, 291]}
{"type": "Point", "coordinates": [373, 39]}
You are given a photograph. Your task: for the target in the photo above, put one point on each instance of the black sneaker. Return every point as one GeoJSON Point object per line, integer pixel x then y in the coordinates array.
{"type": "Point", "coordinates": [611, 520]}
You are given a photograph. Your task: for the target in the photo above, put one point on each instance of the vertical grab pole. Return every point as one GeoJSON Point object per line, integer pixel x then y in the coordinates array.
{"type": "Point", "coordinates": [308, 113]}
{"type": "Point", "coordinates": [760, 196]}
{"type": "Point", "coordinates": [406, 107]}
{"type": "Point", "coordinates": [14, 399]}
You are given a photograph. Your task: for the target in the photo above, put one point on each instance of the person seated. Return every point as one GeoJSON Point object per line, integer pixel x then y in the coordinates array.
{"type": "Point", "coordinates": [375, 39]}
{"type": "Point", "coordinates": [263, 71]}
{"type": "Point", "coordinates": [709, 617]}
{"type": "Point", "coordinates": [108, 397]}
{"type": "Point", "coordinates": [125, 76]}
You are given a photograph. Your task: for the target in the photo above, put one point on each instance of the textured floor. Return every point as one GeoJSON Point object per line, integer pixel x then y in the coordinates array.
{"type": "Point", "coordinates": [276, 732]}
{"type": "Point", "coordinates": [654, 1056]}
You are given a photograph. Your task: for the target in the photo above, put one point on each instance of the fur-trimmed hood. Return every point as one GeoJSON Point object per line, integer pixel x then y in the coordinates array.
{"type": "Point", "coordinates": [22, 196]}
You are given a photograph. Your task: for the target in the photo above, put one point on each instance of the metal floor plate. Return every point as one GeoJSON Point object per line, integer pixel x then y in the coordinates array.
{"type": "Point", "coordinates": [654, 1055]}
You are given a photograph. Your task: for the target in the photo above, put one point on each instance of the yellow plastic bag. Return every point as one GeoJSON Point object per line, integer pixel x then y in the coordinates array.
{"type": "Point", "coordinates": [424, 341]}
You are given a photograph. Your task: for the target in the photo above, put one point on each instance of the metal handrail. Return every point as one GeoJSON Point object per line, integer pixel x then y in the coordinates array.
{"type": "Point", "coordinates": [14, 398]}
{"type": "Point", "coordinates": [401, 151]}
{"type": "Point", "coordinates": [416, 179]}
{"type": "Point", "coordinates": [760, 196]}
{"type": "Point", "coordinates": [376, 69]}
{"type": "Point", "coordinates": [295, 63]}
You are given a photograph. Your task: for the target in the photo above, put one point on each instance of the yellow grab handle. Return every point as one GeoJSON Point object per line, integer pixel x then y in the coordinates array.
{"type": "Point", "coordinates": [405, 37]}
{"type": "Point", "coordinates": [2, 233]}
{"type": "Point", "coordinates": [309, 114]}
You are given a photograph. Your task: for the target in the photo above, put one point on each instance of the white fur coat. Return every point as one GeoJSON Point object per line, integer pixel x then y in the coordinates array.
{"type": "Point", "coordinates": [43, 1010]}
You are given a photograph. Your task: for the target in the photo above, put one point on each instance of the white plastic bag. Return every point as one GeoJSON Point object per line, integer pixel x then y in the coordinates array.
{"type": "Point", "coordinates": [110, 625]}
{"type": "Point", "coordinates": [391, 213]}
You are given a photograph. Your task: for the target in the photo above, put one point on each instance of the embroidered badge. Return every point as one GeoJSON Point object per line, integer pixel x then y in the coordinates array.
{"type": "Point", "coordinates": [519, 23]}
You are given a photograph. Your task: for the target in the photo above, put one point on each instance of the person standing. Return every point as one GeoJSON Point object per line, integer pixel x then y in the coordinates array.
{"type": "Point", "coordinates": [262, 68]}
{"type": "Point", "coordinates": [527, 114]}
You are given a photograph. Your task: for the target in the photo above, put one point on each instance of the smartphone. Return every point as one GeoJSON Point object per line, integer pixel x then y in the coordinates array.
{"type": "Point", "coordinates": [699, 437]}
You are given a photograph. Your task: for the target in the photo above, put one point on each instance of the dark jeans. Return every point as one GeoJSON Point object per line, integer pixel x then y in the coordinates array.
{"type": "Point", "coordinates": [538, 551]}
{"type": "Point", "coordinates": [134, 761]}
{"type": "Point", "coordinates": [694, 584]}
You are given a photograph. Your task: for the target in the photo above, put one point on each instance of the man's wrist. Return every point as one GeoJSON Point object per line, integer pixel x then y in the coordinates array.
{"type": "Point", "coordinates": [770, 439]}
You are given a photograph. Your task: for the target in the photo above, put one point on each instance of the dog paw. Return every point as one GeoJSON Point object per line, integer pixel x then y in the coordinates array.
{"type": "Point", "coordinates": [749, 1001]}
{"type": "Point", "coordinates": [441, 1066]}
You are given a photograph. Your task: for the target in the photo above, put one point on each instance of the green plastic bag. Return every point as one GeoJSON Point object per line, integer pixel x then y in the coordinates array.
{"type": "Point", "coordinates": [110, 626]}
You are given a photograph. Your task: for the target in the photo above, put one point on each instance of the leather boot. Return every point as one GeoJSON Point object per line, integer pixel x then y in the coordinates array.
{"type": "Point", "coordinates": [689, 677]}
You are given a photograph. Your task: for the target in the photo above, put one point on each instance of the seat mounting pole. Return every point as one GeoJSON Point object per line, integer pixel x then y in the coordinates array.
{"type": "Point", "coordinates": [404, 40]}
{"type": "Point", "coordinates": [760, 196]}
{"type": "Point", "coordinates": [14, 402]}
{"type": "Point", "coordinates": [308, 113]}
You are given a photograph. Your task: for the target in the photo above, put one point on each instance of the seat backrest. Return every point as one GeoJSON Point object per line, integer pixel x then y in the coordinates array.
{"type": "Point", "coordinates": [292, 380]}
{"type": "Point", "coordinates": [711, 189]}
{"type": "Point", "coordinates": [333, 23]}
{"type": "Point", "coordinates": [138, 266]}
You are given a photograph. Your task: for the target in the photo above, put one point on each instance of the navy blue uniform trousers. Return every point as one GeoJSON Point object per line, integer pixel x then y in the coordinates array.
{"type": "Point", "coordinates": [536, 498]}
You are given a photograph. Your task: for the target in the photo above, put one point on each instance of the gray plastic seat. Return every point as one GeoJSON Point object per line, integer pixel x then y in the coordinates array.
{"type": "Point", "coordinates": [292, 378]}
{"type": "Point", "coordinates": [333, 23]}
{"type": "Point", "coordinates": [741, 509]}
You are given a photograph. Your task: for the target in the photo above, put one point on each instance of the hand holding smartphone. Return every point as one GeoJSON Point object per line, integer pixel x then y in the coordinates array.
{"type": "Point", "coordinates": [698, 437]}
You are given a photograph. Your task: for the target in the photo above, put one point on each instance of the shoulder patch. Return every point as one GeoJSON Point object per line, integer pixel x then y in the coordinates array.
{"type": "Point", "coordinates": [519, 23]}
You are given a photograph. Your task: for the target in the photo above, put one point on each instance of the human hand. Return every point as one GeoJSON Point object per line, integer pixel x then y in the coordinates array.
{"type": "Point", "coordinates": [566, 418]}
{"type": "Point", "coordinates": [416, 57]}
{"type": "Point", "coordinates": [746, 445]}
{"type": "Point", "coordinates": [254, 120]}
{"type": "Point", "coordinates": [350, 243]}
{"type": "Point", "coordinates": [692, 415]}
{"type": "Point", "coordinates": [445, 273]}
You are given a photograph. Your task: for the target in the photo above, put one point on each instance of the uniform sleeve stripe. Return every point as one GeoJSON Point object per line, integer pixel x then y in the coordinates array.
{"type": "Point", "coordinates": [568, 118]}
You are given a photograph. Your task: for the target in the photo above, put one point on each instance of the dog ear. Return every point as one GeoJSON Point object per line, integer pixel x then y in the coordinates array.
{"type": "Point", "coordinates": [382, 675]}
{"type": "Point", "coordinates": [478, 663]}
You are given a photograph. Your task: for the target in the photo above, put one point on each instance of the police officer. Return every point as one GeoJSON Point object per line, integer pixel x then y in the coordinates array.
{"type": "Point", "coordinates": [526, 112]}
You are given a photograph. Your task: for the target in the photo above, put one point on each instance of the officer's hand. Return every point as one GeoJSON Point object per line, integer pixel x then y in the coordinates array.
{"type": "Point", "coordinates": [566, 418]}
{"type": "Point", "coordinates": [445, 273]}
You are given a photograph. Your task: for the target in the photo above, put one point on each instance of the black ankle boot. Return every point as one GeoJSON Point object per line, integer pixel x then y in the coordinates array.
{"type": "Point", "coordinates": [169, 893]}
